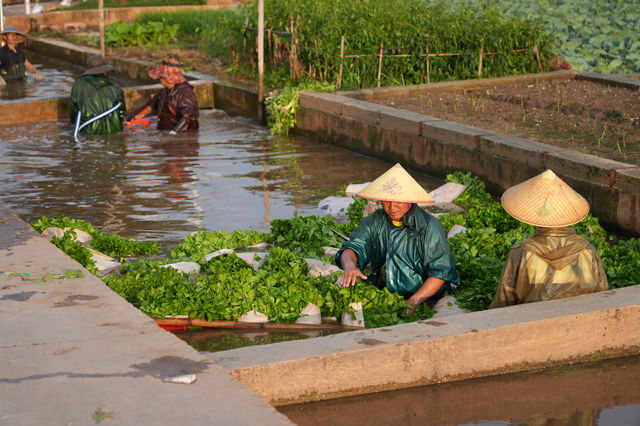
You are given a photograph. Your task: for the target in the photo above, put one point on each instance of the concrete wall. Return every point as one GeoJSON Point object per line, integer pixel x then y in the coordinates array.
{"type": "Point", "coordinates": [497, 341]}
{"type": "Point", "coordinates": [439, 147]}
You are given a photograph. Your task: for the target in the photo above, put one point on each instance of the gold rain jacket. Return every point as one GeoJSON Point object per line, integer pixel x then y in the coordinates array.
{"type": "Point", "coordinates": [551, 264]}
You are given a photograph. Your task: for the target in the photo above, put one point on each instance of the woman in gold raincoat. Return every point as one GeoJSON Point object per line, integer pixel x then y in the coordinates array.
{"type": "Point", "coordinates": [554, 262]}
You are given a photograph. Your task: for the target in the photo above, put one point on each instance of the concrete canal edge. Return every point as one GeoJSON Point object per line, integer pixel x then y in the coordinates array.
{"type": "Point", "coordinates": [516, 338]}
{"type": "Point", "coordinates": [75, 352]}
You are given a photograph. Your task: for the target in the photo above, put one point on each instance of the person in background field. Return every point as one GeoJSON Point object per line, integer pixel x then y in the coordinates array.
{"type": "Point", "coordinates": [175, 104]}
{"type": "Point", "coordinates": [404, 239]}
{"type": "Point", "coordinates": [97, 101]}
{"type": "Point", "coordinates": [13, 62]}
{"type": "Point", "coordinates": [554, 262]}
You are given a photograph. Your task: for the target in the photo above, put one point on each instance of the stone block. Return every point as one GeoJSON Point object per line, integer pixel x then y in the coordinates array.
{"type": "Point", "coordinates": [628, 180]}
{"type": "Point", "coordinates": [325, 102]}
{"type": "Point", "coordinates": [403, 121]}
{"type": "Point", "coordinates": [583, 166]}
{"type": "Point", "coordinates": [366, 112]}
{"type": "Point", "coordinates": [515, 149]}
{"type": "Point", "coordinates": [452, 133]}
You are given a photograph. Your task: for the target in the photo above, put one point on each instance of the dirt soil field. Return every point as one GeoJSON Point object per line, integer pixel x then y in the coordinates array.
{"type": "Point", "coordinates": [580, 115]}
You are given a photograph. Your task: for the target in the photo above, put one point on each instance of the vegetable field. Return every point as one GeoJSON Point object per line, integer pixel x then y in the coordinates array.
{"type": "Point", "coordinates": [600, 36]}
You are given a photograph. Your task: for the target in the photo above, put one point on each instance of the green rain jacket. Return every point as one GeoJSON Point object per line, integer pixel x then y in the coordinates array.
{"type": "Point", "coordinates": [411, 253]}
{"type": "Point", "coordinates": [94, 94]}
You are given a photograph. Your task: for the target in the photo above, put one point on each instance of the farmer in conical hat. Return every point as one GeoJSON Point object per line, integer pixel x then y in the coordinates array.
{"type": "Point", "coordinates": [13, 62]}
{"type": "Point", "coordinates": [404, 239]}
{"type": "Point", "coordinates": [554, 262]}
{"type": "Point", "coordinates": [175, 104]}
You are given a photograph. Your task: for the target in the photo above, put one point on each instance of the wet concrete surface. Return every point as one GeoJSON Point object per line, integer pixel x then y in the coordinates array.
{"type": "Point", "coordinates": [74, 352]}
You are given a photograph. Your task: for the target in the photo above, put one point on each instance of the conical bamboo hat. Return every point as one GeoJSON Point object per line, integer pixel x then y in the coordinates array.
{"type": "Point", "coordinates": [545, 200]}
{"type": "Point", "coordinates": [396, 185]}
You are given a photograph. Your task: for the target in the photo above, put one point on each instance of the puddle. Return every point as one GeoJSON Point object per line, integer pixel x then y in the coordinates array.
{"type": "Point", "coordinates": [231, 174]}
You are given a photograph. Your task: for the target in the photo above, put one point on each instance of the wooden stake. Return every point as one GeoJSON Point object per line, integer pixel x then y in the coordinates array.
{"type": "Point", "coordinates": [260, 61]}
{"type": "Point", "coordinates": [480, 61]}
{"type": "Point", "coordinates": [195, 322]}
{"type": "Point", "coordinates": [270, 49]}
{"type": "Point", "coordinates": [380, 63]}
{"type": "Point", "coordinates": [535, 50]}
{"type": "Point", "coordinates": [339, 83]}
{"type": "Point", "coordinates": [101, 26]}
{"type": "Point", "coordinates": [428, 72]}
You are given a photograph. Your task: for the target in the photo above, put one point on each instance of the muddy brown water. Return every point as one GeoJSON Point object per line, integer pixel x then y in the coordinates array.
{"type": "Point", "coordinates": [57, 79]}
{"type": "Point", "coordinates": [145, 184]}
{"type": "Point", "coordinates": [605, 393]}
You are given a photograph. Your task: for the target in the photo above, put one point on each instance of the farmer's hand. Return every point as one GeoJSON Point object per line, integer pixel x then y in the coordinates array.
{"type": "Point", "coordinates": [350, 276]}
{"type": "Point", "coordinates": [2, 82]}
{"type": "Point", "coordinates": [38, 75]}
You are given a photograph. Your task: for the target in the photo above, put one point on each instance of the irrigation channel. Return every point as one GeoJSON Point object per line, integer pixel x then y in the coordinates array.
{"type": "Point", "coordinates": [232, 174]}
{"type": "Point", "coordinates": [605, 393]}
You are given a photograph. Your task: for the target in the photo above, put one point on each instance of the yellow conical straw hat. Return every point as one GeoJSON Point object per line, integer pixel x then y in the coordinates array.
{"type": "Point", "coordinates": [545, 200]}
{"type": "Point", "coordinates": [396, 185]}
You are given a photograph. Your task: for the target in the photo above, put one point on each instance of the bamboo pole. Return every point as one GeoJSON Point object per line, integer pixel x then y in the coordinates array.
{"type": "Point", "coordinates": [101, 26]}
{"type": "Point", "coordinates": [428, 71]}
{"type": "Point", "coordinates": [339, 83]}
{"type": "Point", "coordinates": [260, 59]}
{"type": "Point", "coordinates": [480, 61]}
{"type": "Point", "coordinates": [195, 322]}
{"type": "Point", "coordinates": [270, 49]}
{"type": "Point", "coordinates": [380, 63]}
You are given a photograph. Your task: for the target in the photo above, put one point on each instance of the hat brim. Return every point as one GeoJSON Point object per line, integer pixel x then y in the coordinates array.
{"type": "Point", "coordinates": [18, 33]}
{"type": "Point", "coordinates": [545, 201]}
{"type": "Point", "coordinates": [100, 70]}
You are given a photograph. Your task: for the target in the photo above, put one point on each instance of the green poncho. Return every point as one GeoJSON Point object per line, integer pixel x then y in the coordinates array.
{"type": "Point", "coordinates": [94, 94]}
{"type": "Point", "coordinates": [411, 253]}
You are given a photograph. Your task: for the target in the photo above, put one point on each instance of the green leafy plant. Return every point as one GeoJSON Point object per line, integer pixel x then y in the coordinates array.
{"type": "Point", "coordinates": [135, 34]}
{"type": "Point", "coordinates": [283, 105]}
{"type": "Point", "coordinates": [75, 250]}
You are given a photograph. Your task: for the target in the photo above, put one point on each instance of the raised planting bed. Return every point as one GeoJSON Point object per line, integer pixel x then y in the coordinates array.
{"type": "Point", "coordinates": [580, 115]}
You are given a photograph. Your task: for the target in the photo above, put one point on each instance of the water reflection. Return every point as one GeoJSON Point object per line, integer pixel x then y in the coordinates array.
{"type": "Point", "coordinates": [145, 184]}
{"type": "Point", "coordinates": [602, 393]}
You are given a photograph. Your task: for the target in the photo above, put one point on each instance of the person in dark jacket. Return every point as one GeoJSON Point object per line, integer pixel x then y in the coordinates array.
{"type": "Point", "coordinates": [97, 101]}
{"type": "Point", "coordinates": [409, 242]}
{"type": "Point", "coordinates": [13, 62]}
{"type": "Point", "coordinates": [175, 104]}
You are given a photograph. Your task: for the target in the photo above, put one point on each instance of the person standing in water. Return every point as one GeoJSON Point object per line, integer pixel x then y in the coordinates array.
{"type": "Point", "coordinates": [13, 62]}
{"type": "Point", "coordinates": [97, 101]}
{"type": "Point", "coordinates": [175, 104]}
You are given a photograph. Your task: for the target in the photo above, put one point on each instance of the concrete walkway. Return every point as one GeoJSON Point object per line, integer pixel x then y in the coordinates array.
{"type": "Point", "coordinates": [74, 352]}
